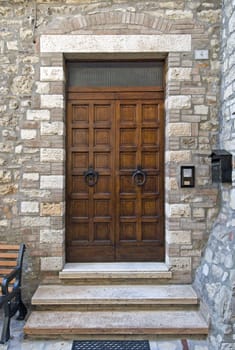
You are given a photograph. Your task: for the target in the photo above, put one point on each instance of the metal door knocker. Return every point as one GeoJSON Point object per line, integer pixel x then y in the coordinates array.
{"type": "Point", "coordinates": [139, 176]}
{"type": "Point", "coordinates": [91, 177]}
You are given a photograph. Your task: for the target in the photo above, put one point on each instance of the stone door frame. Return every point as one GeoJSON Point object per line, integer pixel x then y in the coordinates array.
{"type": "Point", "coordinates": [51, 93]}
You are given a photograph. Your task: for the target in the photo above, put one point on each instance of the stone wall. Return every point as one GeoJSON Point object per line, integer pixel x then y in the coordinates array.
{"type": "Point", "coordinates": [32, 120]}
{"type": "Point", "coordinates": [215, 279]}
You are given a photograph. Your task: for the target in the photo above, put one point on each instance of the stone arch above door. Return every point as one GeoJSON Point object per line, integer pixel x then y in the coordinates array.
{"type": "Point", "coordinates": [120, 22]}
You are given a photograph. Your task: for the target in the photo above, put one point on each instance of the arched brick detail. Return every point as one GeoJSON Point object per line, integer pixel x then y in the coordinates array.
{"type": "Point", "coordinates": [76, 23]}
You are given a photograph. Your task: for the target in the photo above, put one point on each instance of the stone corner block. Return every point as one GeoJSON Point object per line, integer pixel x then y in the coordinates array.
{"type": "Point", "coordinates": [178, 210]}
{"type": "Point", "coordinates": [38, 114]}
{"type": "Point", "coordinates": [51, 155]}
{"type": "Point", "coordinates": [51, 209]}
{"type": "Point", "coordinates": [179, 102]}
{"type": "Point", "coordinates": [51, 74]}
{"type": "Point", "coordinates": [178, 237]}
{"type": "Point", "coordinates": [52, 128]}
{"type": "Point", "coordinates": [179, 74]}
{"type": "Point", "coordinates": [180, 264]}
{"type": "Point", "coordinates": [52, 101]}
{"type": "Point", "coordinates": [178, 156]}
{"type": "Point", "coordinates": [49, 236]}
{"type": "Point", "coordinates": [179, 129]}
{"type": "Point", "coordinates": [28, 134]}
{"type": "Point", "coordinates": [52, 182]}
{"type": "Point", "coordinates": [29, 207]}
{"type": "Point", "coordinates": [51, 263]}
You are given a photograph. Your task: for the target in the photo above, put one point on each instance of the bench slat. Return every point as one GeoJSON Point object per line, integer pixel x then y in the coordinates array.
{"type": "Point", "coordinates": [4, 272]}
{"type": "Point", "coordinates": [9, 246]}
{"type": "Point", "coordinates": [11, 255]}
{"type": "Point", "coordinates": [8, 255]}
{"type": "Point", "coordinates": [8, 263]}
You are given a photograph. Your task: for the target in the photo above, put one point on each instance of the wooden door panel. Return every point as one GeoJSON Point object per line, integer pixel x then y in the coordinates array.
{"type": "Point", "coordinates": [90, 233]}
{"type": "Point", "coordinates": [115, 134]}
{"type": "Point", "coordinates": [152, 184]}
{"type": "Point", "coordinates": [139, 230]}
{"type": "Point", "coordinates": [80, 113]}
{"type": "Point", "coordinates": [78, 186]}
{"type": "Point", "coordinates": [128, 113]}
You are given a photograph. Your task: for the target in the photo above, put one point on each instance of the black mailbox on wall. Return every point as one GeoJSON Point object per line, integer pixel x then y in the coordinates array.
{"type": "Point", "coordinates": [221, 162]}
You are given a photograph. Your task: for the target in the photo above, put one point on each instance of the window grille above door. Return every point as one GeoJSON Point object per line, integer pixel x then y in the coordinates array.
{"type": "Point", "coordinates": [115, 73]}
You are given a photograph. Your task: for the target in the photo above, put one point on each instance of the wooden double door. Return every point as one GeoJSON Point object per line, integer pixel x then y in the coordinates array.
{"type": "Point", "coordinates": [115, 176]}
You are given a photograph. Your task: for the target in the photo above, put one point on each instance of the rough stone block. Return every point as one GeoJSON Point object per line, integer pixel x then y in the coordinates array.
{"type": "Point", "coordinates": [35, 221]}
{"type": "Point", "coordinates": [12, 45]}
{"type": "Point", "coordinates": [42, 87]}
{"type": "Point", "coordinates": [210, 16]}
{"type": "Point", "coordinates": [6, 147]}
{"type": "Point", "coordinates": [198, 212]}
{"type": "Point", "coordinates": [179, 14]}
{"type": "Point", "coordinates": [8, 189]}
{"type": "Point", "coordinates": [171, 184]}
{"type": "Point", "coordinates": [5, 176]}
{"type": "Point", "coordinates": [51, 263]}
{"type": "Point", "coordinates": [22, 85]}
{"type": "Point", "coordinates": [201, 109]}
{"type": "Point", "coordinates": [3, 223]}
{"type": "Point", "coordinates": [205, 269]}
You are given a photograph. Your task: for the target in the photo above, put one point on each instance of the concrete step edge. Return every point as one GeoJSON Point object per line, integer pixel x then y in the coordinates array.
{"type": "Point", "coordinates": [114, 295]}
{"type": "Point", "coordinates": [116, 322]}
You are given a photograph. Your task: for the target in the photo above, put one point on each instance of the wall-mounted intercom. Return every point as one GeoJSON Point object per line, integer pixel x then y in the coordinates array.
{"type": "Point", "coordinates": [187, 176]}
{"type": "Point", "coordinates": [221, 162]}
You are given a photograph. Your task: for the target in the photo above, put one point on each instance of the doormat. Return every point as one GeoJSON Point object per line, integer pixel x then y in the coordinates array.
{"type": "Point", "coordinates": [110, 345]}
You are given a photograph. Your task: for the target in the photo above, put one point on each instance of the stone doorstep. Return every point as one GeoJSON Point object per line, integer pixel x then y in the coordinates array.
{"type": "Point", "coordinates": [46, 323]}
{"type": "Point", "coordinates": [115, 295]}
{"type": "Point", "coordinates": [127, 270]}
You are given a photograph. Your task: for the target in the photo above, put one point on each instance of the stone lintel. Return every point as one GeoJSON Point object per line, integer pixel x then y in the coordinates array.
{"type": "Point", "coordinates": [115, 43]}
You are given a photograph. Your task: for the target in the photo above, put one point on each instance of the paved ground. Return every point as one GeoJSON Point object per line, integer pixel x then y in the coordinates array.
{"type": "Point", "coordinates": [17, 342]}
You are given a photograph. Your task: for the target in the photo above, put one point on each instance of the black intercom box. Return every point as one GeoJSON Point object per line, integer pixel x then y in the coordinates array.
{"type": "Point", "coordinates": [221, 162]}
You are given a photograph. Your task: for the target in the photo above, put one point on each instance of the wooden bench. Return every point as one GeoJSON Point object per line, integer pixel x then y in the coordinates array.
{"type": "Point", "coordinates": [11, 259]}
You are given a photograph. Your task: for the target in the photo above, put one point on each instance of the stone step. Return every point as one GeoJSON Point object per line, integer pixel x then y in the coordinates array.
{"type": "Point", "coordinates": [115, 271]}
{"type": "Point", "coordinates": [97, 295]}
{"type": "Point", "coordinates": [73, 323]}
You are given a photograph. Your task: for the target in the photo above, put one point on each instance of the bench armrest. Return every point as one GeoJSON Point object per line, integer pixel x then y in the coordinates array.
{"type": "Point", "coordinates": [14, 274]}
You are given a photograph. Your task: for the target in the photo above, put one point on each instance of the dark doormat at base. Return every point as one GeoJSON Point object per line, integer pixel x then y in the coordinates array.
{"type": "Point", "coordinates": [110, 345]}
